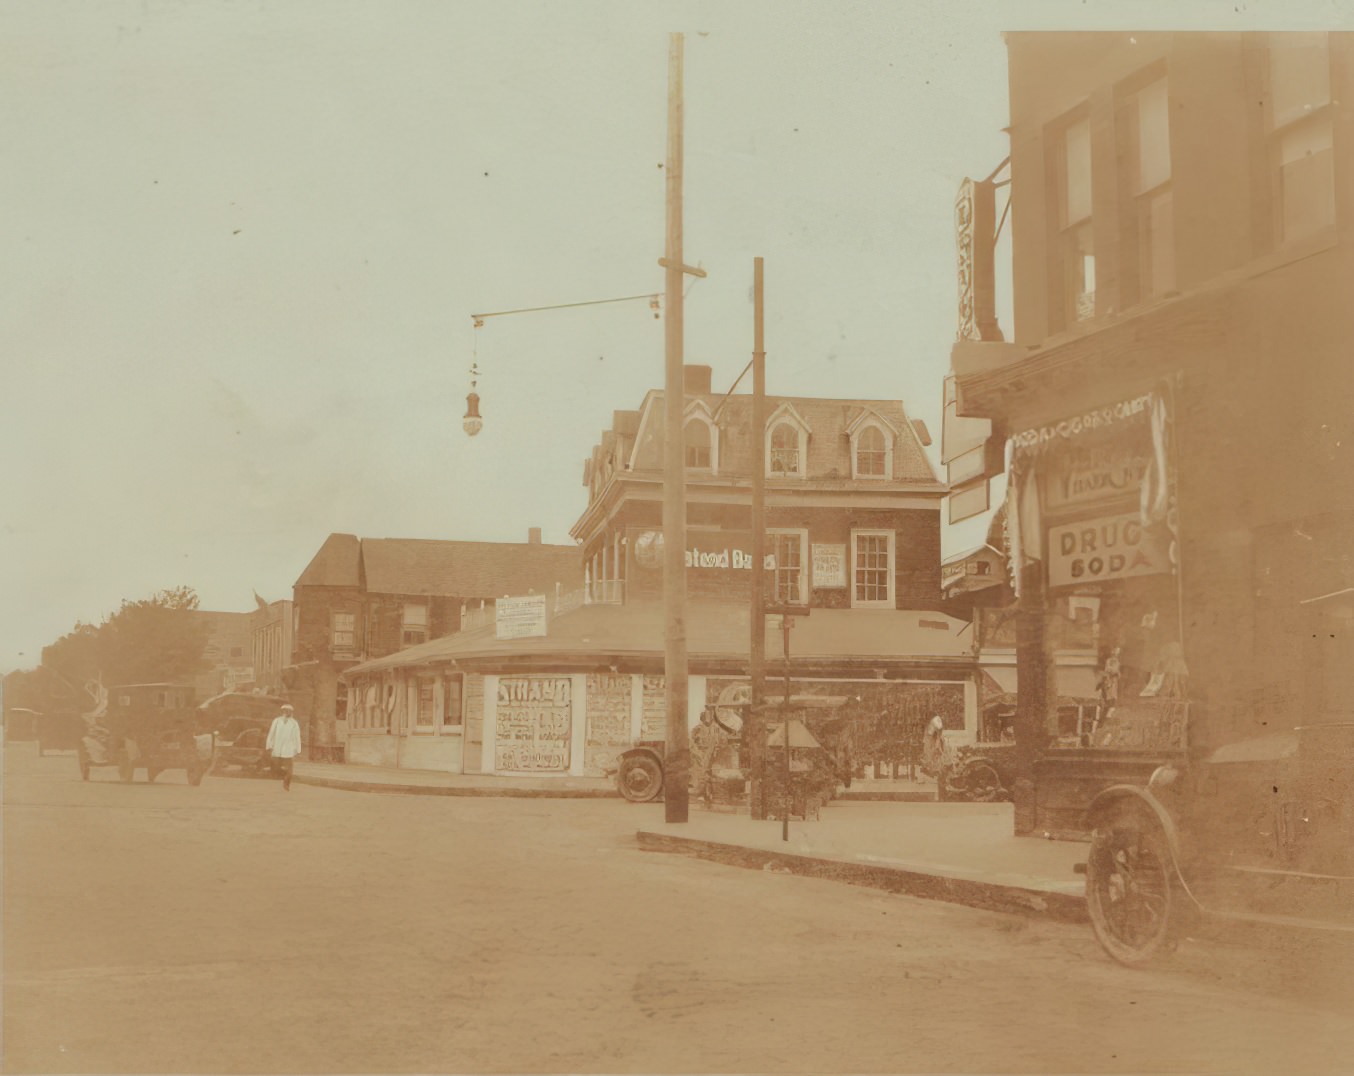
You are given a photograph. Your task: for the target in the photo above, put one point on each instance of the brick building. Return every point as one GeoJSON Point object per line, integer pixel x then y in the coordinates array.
{"type": "Point", "coordinates": [1177, 407]}
{"type": "Point", "coordinates": [853, 520]}
{"type": "Point", "coordinates": [228, 653]}
{"type": "Point", "coordinates": [363, 598]}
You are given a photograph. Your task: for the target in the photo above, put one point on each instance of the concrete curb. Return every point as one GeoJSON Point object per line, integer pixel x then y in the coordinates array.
{"type": "Point", "coordinates": [451, 790]}
{"type": "Point", "coordinates": [992, 896]}
{"type": "Point", "coordinates": [887, 797]}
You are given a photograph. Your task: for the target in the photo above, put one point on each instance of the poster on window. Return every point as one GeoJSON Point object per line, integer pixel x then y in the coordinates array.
{"type": "Point", "coordinates": [533, 724]}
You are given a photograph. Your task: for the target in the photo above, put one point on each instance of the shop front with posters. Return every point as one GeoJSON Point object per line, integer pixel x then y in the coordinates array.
{"type": "Point", "coordinates": [1093, 521]}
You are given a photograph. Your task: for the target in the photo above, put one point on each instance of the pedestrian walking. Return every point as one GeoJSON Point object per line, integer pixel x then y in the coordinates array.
{"type": "Point", "coordinates": [284, 742]}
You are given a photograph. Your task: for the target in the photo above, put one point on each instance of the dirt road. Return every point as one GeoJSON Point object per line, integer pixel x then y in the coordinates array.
{"type": "Point", "coordinates": [237, 928]}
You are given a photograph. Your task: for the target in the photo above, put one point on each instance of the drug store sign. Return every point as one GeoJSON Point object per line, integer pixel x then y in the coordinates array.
{"type": "Point", "coordinates": [1109, 547]}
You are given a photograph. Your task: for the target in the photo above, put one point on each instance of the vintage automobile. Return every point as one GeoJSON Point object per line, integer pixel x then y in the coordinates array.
{"type": "Point", "coordinates": [1260, 831]}
{"type": "Point", "coordinates": [979, 773]}
{"type": "Point", "coordinates": [820, 743]}
{"type": "Point", "coordinates": [151, 727]}
{"type": "Point", "coordinates": [240, 722]}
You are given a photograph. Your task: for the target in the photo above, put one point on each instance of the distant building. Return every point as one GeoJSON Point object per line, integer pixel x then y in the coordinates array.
{"type": "Point", "coordinates": [229, 653]}
{"type": "Point", "coordinates": [272, 630]}
{"type": "Point", "coordinates": [364, 598]}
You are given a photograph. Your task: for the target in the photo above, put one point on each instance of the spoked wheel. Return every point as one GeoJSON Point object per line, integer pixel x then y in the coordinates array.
{"type": "Point", "coordinates": [984, 785]}
{"type": "Point", "coordinates": [640, 779]}
{"type": "Point", "coordinates": [1130, 892]}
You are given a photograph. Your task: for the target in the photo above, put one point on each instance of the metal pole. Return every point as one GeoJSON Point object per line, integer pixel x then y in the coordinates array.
{"type": "Point", "coordinates": [753, 733]}
{"type": "Point", "coordinates": [785, 625]}
{"type": "Point", "coordinates": [677, 760]}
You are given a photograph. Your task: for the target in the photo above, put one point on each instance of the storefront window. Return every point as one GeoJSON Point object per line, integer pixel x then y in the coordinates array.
{"type": "Point", "coordinates": [452, 707]}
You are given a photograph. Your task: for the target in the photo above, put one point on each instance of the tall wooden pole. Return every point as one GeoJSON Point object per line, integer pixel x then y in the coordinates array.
{"type": "Point", "coordinates": [754, 737]}
{"type": "Point", "coordinates": [677, 760]}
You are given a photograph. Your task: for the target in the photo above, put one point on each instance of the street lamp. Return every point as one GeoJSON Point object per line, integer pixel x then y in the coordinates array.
{"type": "Point", "coordinates": [472, 423]}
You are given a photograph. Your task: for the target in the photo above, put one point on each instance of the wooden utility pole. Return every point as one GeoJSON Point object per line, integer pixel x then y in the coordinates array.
{"type": "Point", "coordinates": [754, 737]}
{"type": "Point", "coordinates": [677, 760]}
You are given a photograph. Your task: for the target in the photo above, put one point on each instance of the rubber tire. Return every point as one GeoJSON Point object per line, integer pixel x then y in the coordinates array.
{"type": "Point", "coordinates": [983, 783]}
{"type": "Point", "coordinates": [1129, 833]}
{"type": "Point", "coordinates": [649, 785]}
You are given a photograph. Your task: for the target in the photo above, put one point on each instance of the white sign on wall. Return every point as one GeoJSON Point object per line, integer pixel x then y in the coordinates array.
{"type": "Point", "coordinates": [829, 565]}
{"type": "Point", "coordinates": [520, 618]}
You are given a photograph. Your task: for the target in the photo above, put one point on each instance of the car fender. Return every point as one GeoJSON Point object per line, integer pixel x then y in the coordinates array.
{"type": "Point", "coordinates": [638, 752]}
{"type": "Point", "coordinates": [1109, 798]}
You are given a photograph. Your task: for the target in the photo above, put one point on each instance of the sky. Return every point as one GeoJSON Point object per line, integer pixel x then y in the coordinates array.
{"type": "Point", "coordinates": [243, 242]}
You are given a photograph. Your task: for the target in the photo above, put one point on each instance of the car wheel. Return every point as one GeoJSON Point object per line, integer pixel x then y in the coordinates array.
{"type": "Point", "coordinates": [984, 786]}
{"type": "Point", "coordinates": [640, 778]}
{"type": "Point", "coordinates": [1130, 888]}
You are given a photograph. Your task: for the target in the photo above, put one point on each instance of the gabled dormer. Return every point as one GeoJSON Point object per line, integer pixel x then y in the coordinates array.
{"type": "Point", "coordinates": [787, 443]}
{"type": "Point", "coordinates": [872, 438]}
{"type": "Point", "coordinates": [701, 438]}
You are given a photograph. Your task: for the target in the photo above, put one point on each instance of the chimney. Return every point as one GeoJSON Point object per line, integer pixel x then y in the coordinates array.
{"type": "Point", "coordinates": [696, 380]}
{"type": "Point", "coordinates": [534, 536]}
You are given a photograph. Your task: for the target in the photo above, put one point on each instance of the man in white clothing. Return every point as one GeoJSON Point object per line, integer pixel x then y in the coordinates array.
{"type": "Point", "coordinates": [284, 742]}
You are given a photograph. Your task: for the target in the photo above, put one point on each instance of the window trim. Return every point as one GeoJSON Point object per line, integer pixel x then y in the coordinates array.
{"type": "Point", "coordinates": [1324, 115]}
{"type": "Point", "coordinates": [350, 631]}
{"type": "Point", "coordinates": [406, 627]}
{"type": "Point", "coordinates": [443, 728]}
{"type": "Point", "coordinates": [1061, 232]}
{"type": "Point", "coordinates": [804, 582]}
{"type": "Point", "coordinates": [874, 532]}
{"type": "Point", "coordinates": [786, 414]}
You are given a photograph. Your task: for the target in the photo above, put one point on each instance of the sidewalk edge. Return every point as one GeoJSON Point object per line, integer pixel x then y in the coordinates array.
{"type": "Point", "coordinates": [992, 896]}
{"type": "Point", "coordinates": [451, 790]}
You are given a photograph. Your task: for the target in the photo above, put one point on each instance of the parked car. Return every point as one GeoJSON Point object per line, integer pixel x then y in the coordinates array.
{"type": "Point", "coordinates": [150, 742]}
{"type": "Point", "coordinates": [241, 722]}
{"type": "Point", "coordinates": [980, 773]}
{"type": "Point", "coordinates": [151, 727]}
{"type": "Point", "coordinates": [1260, 831]}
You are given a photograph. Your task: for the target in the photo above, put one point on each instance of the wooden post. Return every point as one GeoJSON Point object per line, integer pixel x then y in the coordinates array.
{"type": "Point", "coordinates": [677, 760]}
{"type": "Point", "coordinates": [754, 737]}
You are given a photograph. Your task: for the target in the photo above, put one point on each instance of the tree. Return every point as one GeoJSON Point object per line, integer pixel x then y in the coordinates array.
{"type": "Point", "coordinates": [156, 640]}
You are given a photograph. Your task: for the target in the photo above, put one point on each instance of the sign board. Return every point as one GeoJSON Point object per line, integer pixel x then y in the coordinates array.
{"type": "Point", "coordinates": [706, 551]}
{"type": "Point", "coordinates": [1157, 725]}
{"type": "Point", "coordinates": [520, 618]}
{"type": "Point", "coordinates": [1107, 547]}
{"type": "Point", "coordinates": [1090, 473]}
{"type": "Point", "coordinates": [532, 723]}
{"type": "Point", "coordinates": [829, 565]}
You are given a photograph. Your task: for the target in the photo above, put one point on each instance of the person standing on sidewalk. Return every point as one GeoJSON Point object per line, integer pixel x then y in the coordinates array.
{"type": "Point", "coordinates": [284, 742]}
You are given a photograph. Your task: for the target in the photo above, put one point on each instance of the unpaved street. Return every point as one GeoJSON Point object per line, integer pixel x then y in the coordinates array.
{"type": "Point", "coordinates": [235, 928]}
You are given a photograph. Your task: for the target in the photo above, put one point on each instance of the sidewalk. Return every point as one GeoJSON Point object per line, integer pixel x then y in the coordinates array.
{"type": "Point", "coordinates": [959, 852]}
{"type": "Point", "coordinates": [354, 778]}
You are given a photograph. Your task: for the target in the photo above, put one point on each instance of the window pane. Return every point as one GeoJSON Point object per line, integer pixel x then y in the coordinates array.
{"type": "Point", "coordinates": [1156, 241]}
{"type": "Point", "coordinates": [784, 449]}
{"type": "Point", "coordinates": [415, 616]}
{"type": "Point", "coordinates": [697, 444]}
{"type": "Point", "coordinates": [870, 451]}
{"type": "Point", "coordinates": [452, 714]}
{"type": "Point", "coordinates": [1079, 266]}
{"type": "Point", "coordinates": [872, 567]}
{"type": "Point", "coordinates": [1077, 172]}
{"type": "Point", "coordinates": [789, 567]}
{"type": "Point", "coordinates": [1154, 137]}
{"type": "Point", "coordinates": [1299, 76]}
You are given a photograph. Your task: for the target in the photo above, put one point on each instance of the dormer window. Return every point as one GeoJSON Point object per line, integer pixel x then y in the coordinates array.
{"type": "Point", "coordinates": [787, 444]}
{"type": "Point", "coordinates": [784, 456]}
{"type": "Point", "coordinates": [697, 445]}
{"type": "Point", "coordinates": [701, 439]}
{"type": "Point", "coordinates": [871, 447]}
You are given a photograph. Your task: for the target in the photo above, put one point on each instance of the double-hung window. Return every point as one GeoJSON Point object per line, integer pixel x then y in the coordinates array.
{"type": "Point", "coordinates": [1301, 142]}
{"type": "Point", "coordinates": [343, 628]}
{"type": "Point", "coordinates": [1075, 238]}
{"type": "Point", "coordinates": [414, 629]}
{"type": "Point", "coordinates": [1145, 140]}
{"type": "Point", "coordinates": [790, 575]}
{"type": "Point", "coordinates": [784, 457]}
{"type": "Point", "coordinates": [872, 568]}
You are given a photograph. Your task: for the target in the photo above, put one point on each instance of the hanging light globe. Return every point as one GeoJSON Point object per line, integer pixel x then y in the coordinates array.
{"type": "Point", "coordinates": [472, 423]}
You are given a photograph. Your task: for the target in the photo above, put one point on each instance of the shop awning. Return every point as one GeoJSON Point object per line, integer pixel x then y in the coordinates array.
{"type": "Point", "coordinates": [1074, 684]}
